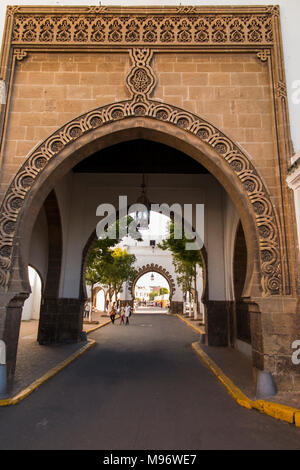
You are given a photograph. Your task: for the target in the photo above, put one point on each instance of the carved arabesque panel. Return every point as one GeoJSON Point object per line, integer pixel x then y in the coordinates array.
{"type": "Point", "coordinates": [182, 26]}
{"type": "Point", "coordinates": [141, 79]}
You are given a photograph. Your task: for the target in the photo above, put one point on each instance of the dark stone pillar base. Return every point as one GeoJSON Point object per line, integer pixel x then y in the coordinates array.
{"type": "Point", "coordinates": [176, 307]}
{"type": "Point", "coordinates": [11, 333]}
{"type": "Point", "coordinates": [60, 321]}
{"type": "Point", "coordinates": [218, 315]}
{"type": "Point", "coordinates": [243, 321]}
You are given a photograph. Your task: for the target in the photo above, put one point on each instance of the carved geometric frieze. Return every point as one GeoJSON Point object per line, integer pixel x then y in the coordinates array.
{"type": "Point", "coordinates": [183, 25]}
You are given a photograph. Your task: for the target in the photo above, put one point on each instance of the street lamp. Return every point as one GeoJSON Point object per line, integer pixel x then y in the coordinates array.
{"type": "Point", "coordinates": [142, 217]}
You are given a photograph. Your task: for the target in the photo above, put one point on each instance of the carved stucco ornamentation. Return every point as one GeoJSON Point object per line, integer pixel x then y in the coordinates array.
{"type": "Point", "coordinates": [264, 55]}
{"type": "Point", "coordinates": [266, 222]}
{"type": "Point", "coordinates": [281, 91]}
{"type": "Point", "coordinates": [251, 28]}
{"type": "Point", "coordinates": [20, 54]}
{"type": "Point", "coordinates": [11, 10]}
{"type": "Point", "coordinates": [148, 268]}
{"type": "Point", "coordinates": [274, 10]}
{"type": "Point", "coordinates": [98, 10]}
{"type": "Point", "coordinates": [185, 10]}
{"type": "Point", "coordinates": [141, 79]}
{"type": "Point", "coordinates": [186, 25]}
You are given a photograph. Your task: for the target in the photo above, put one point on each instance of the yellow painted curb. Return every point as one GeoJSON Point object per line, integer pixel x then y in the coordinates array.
{"type": "Point", "coordinates": [276, 410]}
{"type": "Point", "coordinates": [199, 330]}
{"type": "Point", "coordinates": [37, 383]}
{"type": "Point", "coordinates": [233, 390]}
{"type": "Point", "coordinates": [297, 418]}
{"type": "Point", "coordinates": [97, 327]}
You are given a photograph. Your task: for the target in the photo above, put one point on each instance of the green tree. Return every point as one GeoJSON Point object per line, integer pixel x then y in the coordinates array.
{"type": "Point", "coordinates": [163, 290]}
{"type": "Point", "coordinates": [152, 295]}
{"type": "Point", "coordinates": [119, 270]}
{"type": "Point", "coordinates": [185, 261]}
{"type": "Point", "coordinates": [108, 266]}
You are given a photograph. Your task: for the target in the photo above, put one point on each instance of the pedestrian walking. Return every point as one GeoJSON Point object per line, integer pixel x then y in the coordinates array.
{"type": "Point", "coordinates": [127, 313]}
{"type": "Point", "coordinates": [122, 313]}
{"type": "Point", "coordinates": [113, 313]}
{"type": "Point", "coordinates": [87, 307]}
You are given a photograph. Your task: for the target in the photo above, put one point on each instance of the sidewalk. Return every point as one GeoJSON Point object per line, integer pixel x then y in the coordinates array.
{"type": "Point", "coordinates": [98, 318]}
{"type": "Point", "coordinates": [238, 368]}
{"type": "Point", "coordinates": [34, 360]}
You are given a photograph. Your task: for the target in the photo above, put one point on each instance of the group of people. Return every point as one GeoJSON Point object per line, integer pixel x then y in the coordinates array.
{"type": "Point", "coordinates": [125, 313]}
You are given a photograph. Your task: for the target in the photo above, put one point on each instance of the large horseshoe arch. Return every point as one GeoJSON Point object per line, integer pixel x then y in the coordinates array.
{"type": "Point", "coordinates": [188, 132]}
{"type": "Point", "coordinates": [195, 136]}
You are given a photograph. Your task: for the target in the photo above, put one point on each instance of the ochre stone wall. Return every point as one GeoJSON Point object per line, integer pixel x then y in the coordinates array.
{"type": "Point", "coordinates": [230, 90]}
{"type": "Point", "coordinates": [50, 89]}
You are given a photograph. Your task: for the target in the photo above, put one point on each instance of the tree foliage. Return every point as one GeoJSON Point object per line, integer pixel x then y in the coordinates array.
{"type": "Point", "coordinates": [152, 295]}
{"type": "Point", "coordinates": [163, 290]}
{"type": "Point", "coordinates": [185, 261]}
{"type": "Point", "coordinates": [110, 266]}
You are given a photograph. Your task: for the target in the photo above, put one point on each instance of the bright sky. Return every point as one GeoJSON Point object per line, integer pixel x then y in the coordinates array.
{"type": "Point", "coordinates": [159, 280]}
{"type": "Point", "coordinates": [158, 225]}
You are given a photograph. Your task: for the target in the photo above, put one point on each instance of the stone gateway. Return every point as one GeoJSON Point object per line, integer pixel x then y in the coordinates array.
{"type": "Point", "coordinates": [203, 84]}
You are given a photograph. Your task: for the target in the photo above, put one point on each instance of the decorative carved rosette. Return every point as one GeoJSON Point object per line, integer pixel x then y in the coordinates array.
{"type": "Point", "coordinates": [141, 79]}
{"type": "Point", "coordinates": [148, 268]}
{"type": "Point", "coordinates": [266, 222]}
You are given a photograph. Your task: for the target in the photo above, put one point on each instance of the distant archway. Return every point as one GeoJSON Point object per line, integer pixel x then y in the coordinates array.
{"type": "Point", "coordinates": [148, 268]}
{"type": "Point", "coordinates": [32, 305]}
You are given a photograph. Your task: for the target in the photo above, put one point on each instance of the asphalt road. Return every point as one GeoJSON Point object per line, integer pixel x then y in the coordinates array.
{"type": "Point", "coordinates": [141, 388]}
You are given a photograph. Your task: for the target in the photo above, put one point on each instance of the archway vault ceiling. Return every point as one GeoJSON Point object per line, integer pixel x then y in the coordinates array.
{"type": "Point", "coordinates": [140, 156]}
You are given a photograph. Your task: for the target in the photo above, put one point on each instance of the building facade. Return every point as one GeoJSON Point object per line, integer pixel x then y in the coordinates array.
{"type": "Point", "coordinates": [205, 88]}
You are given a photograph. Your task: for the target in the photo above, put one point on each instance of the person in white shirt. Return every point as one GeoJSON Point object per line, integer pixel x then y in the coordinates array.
{"type": "Point", "coordinates": [127, 313]}
{"type": "Point", "coordinates": [122, 313]}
